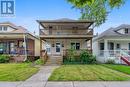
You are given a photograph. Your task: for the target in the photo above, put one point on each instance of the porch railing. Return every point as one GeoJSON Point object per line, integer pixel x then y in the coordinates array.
{"type": "Point", "coordinates": [114, 54]}
{"type": "Point", "coordinates": [70, 32]}
{"type": "Point", "coordinates": [18, 52]}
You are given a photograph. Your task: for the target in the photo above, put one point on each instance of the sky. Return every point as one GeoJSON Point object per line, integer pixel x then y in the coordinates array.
{"type": "Point", "coordinates": [28, 11]}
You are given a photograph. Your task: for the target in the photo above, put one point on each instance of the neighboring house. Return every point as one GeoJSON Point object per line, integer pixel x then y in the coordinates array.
{"type": "Point", "coordinates": [112, 44]}
{"type": "Point", "coordinates": [63, 34]}
{"type": "Point", "coordinates": [18, 42]}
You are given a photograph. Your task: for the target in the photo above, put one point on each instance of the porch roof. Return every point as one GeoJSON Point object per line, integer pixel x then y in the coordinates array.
{"type": "Point", "coordinates": [112, 32]}
{"type": "Point", "coordinates": [18, 31]}
{"type": "Point", "coordinates": [65, 22]}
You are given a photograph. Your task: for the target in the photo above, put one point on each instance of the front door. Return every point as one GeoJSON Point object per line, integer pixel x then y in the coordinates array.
{"type": "Point", "coordinates": [58, 47]}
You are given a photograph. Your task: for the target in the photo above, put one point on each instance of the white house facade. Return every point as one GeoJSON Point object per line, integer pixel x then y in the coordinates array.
{"type": "Point", "coordinates": [112, 44]}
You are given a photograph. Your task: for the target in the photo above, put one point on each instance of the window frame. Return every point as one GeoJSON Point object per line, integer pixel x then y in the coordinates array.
{"type": "Point", "coordinates": [126, 30]}
{"type": "Point", "coordinates": [76, 45]}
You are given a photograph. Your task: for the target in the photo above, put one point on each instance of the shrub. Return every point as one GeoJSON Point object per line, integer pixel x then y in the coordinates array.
{"type": "Point", "coordinates": [71, 55]}
{"type": "Point", "coordinates": [39, 62]}
{"type": "Point", "coordinates": [87, 58]}
{"type": "Point", "coordinates": [110, 61]}
{"type": "Point", "coordinates": [4, 58]}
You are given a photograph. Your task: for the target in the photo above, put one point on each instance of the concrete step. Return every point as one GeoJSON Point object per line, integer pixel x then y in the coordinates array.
{"type": "Point", "coordinates": [54, 60]}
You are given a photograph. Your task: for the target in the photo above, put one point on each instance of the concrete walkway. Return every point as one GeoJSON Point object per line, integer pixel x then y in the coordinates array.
{"type": "Point", "coordinates": [40, 80]}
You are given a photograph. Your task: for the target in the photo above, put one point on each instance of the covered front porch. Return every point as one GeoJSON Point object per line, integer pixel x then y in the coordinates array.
{"type": "Point", "coordinates": [19, 47]}
{"type": "Point", "coordinates": [61, 46]}
{"type": "Point", "coordinates": [113, 49]}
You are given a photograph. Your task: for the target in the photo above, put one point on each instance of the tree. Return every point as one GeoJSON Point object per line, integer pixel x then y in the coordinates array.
{"type": "Point", "coordinates": [96, 10]}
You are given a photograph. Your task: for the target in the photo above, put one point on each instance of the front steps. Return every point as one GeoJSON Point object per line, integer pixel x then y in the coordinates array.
{"type": "Point", "coordinates": [54, 60]}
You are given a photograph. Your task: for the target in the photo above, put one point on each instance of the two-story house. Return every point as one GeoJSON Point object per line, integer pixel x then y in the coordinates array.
{"type": "Point", "coordinates": [62, 34]}
{"type": "Point", "coordinates": [18, 42]}
{"type": "Point", "coordinates": [112, 44]}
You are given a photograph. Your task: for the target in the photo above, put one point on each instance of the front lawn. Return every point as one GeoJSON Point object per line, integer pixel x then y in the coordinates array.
{"type": "Point", "coordinates": [121, 68]}
{"type": "Point", "coordinates": [87, 73]}
{"type": "Point", "coordinates": [16, 72]}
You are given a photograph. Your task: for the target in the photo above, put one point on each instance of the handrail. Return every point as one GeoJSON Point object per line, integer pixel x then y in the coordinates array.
{"type": "Point", "coordinates": [124, 53]}
{"type": "Point", "coordinates": [44, 55]}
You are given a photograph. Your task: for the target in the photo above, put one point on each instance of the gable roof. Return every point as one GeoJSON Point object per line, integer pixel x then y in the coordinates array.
{"type": "Point", "coordinates": [113, 32]}
{"type": "Point", "coordinates": [17, 29]}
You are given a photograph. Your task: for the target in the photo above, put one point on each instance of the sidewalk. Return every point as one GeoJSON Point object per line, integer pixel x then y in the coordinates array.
{"type": "Point", "coordinates": [40, 80]}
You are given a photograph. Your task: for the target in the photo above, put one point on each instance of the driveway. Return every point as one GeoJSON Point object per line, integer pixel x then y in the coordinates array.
{"type": "Point", "coordinates": [40, 80]}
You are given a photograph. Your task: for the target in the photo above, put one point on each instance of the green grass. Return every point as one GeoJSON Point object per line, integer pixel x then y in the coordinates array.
{"type": "Point", "coordinates": [121, 68]}
{"type": "Point", "coordinates": [16, 72]}
{"type": "Point", "coordinates": [87, 73]}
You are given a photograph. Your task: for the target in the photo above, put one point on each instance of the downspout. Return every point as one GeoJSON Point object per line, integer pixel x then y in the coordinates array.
{"type": "Point", "coordinates": [25, 48]}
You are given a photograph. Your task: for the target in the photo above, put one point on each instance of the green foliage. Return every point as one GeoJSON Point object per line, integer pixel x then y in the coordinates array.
{"type": "Point", "coordinates": [39, 62]}
{"type": "Point", "coordinates": [96, 10]}
{"type": "Point", "coordinates": [87, 57]}
{"type": "Point", "coordinates": [110, 61]}
{"type": "Point", "coordinates": [77, 57]}
{"type": "Point", "coordinates": [71, 55]}
{"type": "Point", "coordinates": [4, 58]}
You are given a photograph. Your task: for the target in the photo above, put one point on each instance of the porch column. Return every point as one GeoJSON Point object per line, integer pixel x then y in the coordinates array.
{"type": "Point", "coordinates": [25, 46]}
{"type": "Point", "coordinates": [105, 50]}
{"type": "Point", "coordinates": [105, 45]}
{"type": "Point", "coordinates": [40, 47]}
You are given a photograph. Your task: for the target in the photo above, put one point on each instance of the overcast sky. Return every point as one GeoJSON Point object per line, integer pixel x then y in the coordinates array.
{"type": "Point", "coordinates": [28, 11]}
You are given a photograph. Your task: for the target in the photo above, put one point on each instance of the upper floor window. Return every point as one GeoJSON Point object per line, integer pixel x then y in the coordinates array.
{"type": "Point", "coordinates": [0, 28]}
{"type": "Point", "coordinates": [50, 27]}
{"type": "Point", "coordinates": [126, 30]}
{"type": "Point", "coordinates": [5, 28]}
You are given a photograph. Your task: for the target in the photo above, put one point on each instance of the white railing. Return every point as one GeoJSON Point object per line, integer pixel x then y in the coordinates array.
{"type": "Point", "coordinates": [114, 54]}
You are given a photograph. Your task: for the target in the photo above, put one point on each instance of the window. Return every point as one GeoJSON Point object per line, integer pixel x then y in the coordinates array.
{"type": "Point", "coordinates": [0, 28]}
{"type": "Point", "coordinates": [4, 28]}
{"type": "Point", "coordinates": [117, 46]}
{"type": "Point", "coordinates": [50, 27]}
{"type": "Point", "coordinates": [129, 46]}
{"type": "Point", "coordinates": [111, 46]}
{"type": "Point", "coordinates": [101, 46]}
{"type": "Point", "coordinates": [75, 46]}
{"type": "Point", "coordinates": [58, 33]}
{"type": "Point", "coordinates": [21, 43]}
{"type": "Point", "coordinates": [126, 30]}
{"type": "Point", "coordinates": [48, 50]}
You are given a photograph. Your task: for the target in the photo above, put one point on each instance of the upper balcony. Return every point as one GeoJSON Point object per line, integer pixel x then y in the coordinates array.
{"type": "Point", "coordinates": [65, 33]}
{"type": "Point", "coordinates": [65, 28]}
